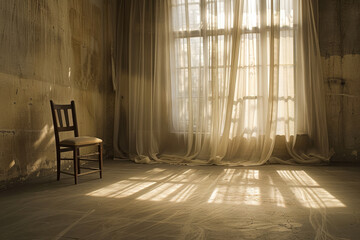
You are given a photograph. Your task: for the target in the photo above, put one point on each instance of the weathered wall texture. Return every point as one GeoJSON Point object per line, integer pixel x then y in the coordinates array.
{"type": "Point", "coordinates": [50, 50]}
{"type": "Point", "coordinates": [339, 36]}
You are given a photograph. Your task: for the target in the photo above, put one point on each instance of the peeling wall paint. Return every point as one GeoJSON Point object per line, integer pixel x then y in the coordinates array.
{"type": "Point", "coordinates": [339, 37]}
{"type": "Point", "coordinates": [50, 50]}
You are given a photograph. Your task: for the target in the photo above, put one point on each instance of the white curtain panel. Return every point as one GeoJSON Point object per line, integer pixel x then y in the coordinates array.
{"type": "Point", "coordinates": [219, 82]}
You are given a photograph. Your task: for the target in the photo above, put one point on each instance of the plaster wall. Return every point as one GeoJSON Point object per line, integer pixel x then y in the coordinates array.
{"type": "Point", "coordinates": [339, 38]}
{"type": "Point", "coordinates": [50, 50]}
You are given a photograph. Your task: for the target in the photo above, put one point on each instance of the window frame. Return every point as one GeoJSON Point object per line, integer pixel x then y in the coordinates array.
{"type": "Point", "coordinates": [186, 35]}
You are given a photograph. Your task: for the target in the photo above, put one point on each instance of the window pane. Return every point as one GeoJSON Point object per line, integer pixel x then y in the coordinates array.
{"type": "Point", "coordinates": [182, 83]}
{"type": "Point", "coordinates": [196, 45]}
{"type": "Point", "coordinates": [181, 52]}
{"type": "Point", "coordinates": [194, 16]}
{"type": "Point", "coordinates": [215, 50]}
{"type": "Point", "coordinates": [194, 1]}
{"type": "Point", "coordinates": [287, 47]}
{"type": "Point", "coordinates": [177, 2]}
{"type": "Point", "coordinates": [286, 14]}
{"type": "Point", "coordinates": [248, 51]}
{"type": "Point", "coordinates": [219, 14]}
{"type": "Point", "coordinates": [211, 18]}
{"type": "Point", "coordinates": [221, 50]}
{"type": "Point", "coordinates": [178, 18]}
{"type": "Point", "coordinates": [251, 16]}
{"type": "Point", "coordinates": [197, 75]}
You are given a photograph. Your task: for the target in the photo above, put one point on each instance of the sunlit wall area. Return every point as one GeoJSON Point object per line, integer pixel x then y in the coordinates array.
{"type": "Point", "coordinates": [50, 50]}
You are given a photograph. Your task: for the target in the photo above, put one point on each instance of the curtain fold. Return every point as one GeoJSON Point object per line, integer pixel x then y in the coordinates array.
{"type": "Point", "coordinates": [218, 82]}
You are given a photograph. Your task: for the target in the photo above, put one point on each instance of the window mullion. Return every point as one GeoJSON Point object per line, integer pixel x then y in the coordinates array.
{"type": "Point", "coordinates": [203, 34]}
{"type": "Point", "coordinates": [190, 110]}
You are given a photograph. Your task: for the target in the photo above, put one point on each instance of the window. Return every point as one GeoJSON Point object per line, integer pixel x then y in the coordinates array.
{"type": "Point", "coordinates": [203, 31]}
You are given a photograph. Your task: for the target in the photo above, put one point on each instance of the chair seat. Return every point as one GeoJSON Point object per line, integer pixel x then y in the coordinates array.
{"type": "Point", "coordinates": [80, 141]}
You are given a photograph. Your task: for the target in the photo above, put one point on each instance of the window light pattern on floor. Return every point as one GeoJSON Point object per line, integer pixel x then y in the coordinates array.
{"type": "Point", "coordinates": [307, 191]}
{"type": "Point", "coordinates": [231, 186]}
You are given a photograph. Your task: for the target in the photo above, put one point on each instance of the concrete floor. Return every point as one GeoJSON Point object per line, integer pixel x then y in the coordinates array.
{"type": "Point", "coordinates": [161, 201]}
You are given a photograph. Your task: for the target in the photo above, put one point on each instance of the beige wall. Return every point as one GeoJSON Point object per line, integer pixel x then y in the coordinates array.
{"type": "Point", "coordinates": [339, 37]}
{"type": "Point", "coordinates": [53, 49]}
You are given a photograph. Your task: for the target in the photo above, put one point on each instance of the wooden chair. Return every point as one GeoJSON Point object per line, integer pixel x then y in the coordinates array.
{"type": "Point", "coordinates": [59, 114]}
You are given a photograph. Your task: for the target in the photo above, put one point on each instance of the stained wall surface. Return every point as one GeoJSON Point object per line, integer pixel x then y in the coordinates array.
{"type": "Point", "coordinates": [50, 50]}
{"type": "Point", "coordinates": [339, 37]}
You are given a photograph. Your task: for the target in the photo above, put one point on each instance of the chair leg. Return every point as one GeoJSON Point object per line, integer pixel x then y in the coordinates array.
{"type": "Point", "coordinates": [78, 154]}
{"type": "Point", "coordinates": [100, 158]}
{"type": "Point", "coordinates": [75, 164]}
{"type": "Point", "coordinates": [58, 163]}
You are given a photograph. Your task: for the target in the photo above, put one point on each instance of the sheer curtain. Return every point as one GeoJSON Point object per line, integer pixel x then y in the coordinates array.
{"type": "Point", "coordinates": [218, 82]}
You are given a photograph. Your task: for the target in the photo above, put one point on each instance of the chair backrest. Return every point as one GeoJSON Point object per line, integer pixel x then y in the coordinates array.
{"type": "Point", "coordinates": [61, 120]}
